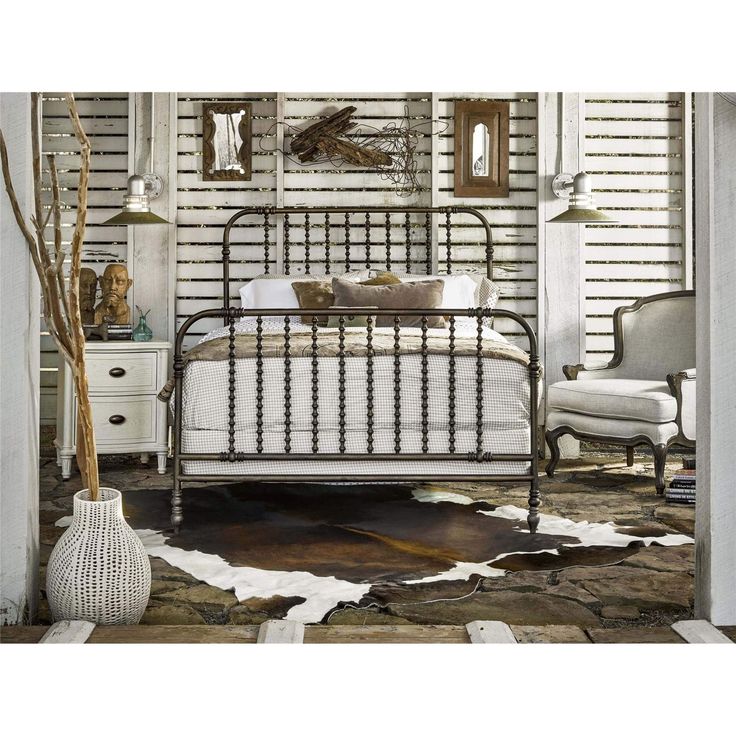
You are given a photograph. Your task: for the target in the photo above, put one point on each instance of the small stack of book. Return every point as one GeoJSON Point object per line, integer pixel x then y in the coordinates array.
{"type": "Point", "coordinates": [682, 486]}
{"type": "Point", "coordinates": [120, 332]}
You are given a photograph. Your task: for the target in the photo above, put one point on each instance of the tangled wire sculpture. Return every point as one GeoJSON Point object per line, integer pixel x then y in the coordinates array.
{"type": "Point", "coordinates": [395, 143]}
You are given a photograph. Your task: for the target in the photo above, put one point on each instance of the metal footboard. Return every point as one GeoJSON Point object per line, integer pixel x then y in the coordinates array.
{"type": "Point", "coordinates": [229, 454]}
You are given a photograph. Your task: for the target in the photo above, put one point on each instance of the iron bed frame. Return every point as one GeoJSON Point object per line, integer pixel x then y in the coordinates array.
{"type": "Point", "coordinates": [231, 314]}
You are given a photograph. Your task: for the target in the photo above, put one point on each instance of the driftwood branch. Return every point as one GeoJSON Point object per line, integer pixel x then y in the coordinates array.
{"type": "Point", "coordinates": [304, 144]}
{"type": "Point", "coordinates": [322, 140]}
{"type": "Point", "coordinates": [84, 411]}
{"type": "Point", "coordinates": [369, 158]}
{"type": "Point", "coordinates": [58, 248]}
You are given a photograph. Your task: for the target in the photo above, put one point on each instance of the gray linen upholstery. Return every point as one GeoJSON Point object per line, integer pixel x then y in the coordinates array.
{"type": "Point", "coordinates": [658, 339]}
{"type": "Point", "coordinates": [617, 398]}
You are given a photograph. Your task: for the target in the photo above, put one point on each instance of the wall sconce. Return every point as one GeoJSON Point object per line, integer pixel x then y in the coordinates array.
{"type": "Point", "coordinates": [136, 209]}
{"type": "Point", "coordinates": [581, 208]}
{"type": "Point", "coordinates": [142, 189]}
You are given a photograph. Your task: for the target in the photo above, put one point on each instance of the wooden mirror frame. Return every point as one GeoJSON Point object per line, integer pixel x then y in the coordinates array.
{"type": "Point", "coordinates": [208, 136]}
{"type": "Point", "coordinates": [495, 116]}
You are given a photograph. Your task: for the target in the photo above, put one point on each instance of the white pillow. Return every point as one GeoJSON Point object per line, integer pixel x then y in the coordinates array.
{"type": "Point", "coordinates": [275, 292]}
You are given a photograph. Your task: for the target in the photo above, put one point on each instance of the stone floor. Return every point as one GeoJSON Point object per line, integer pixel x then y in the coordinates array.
{"type": "Point", "coordinates": [634, 600]}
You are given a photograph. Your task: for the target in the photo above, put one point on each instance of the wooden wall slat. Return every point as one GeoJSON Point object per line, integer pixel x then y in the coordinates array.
{"type": "Point", "coordinates": [633, 150]}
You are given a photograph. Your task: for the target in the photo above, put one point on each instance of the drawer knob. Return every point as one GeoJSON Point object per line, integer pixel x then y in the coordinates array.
{"type": "Point", "coordinates": [117, 372]}
{"type": "Point", "coordinates": [116, 419]}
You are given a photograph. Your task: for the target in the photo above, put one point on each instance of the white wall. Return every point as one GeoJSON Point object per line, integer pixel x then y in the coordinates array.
{"type": "Point", "coordinates": [19, 379]}
{"type": "Point", "coordinates": [715, 527]}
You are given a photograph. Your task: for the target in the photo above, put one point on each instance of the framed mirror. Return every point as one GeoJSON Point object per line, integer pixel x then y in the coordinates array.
{"type": "Point", "coordinates": [226, 128]}
{"type": "Point", "coordinates": [481, 149]}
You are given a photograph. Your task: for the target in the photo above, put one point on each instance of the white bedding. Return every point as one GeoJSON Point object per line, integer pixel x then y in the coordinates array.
{"type": "Point", "coordinates": [505, 409]}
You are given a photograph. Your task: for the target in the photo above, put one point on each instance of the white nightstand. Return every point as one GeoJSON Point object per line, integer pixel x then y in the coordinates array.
{"type": "Point", "coordinates": [124, 378]}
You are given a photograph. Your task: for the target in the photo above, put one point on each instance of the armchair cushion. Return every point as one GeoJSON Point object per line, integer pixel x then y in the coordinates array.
{"type": "Point", "coordinates": [615, 398]}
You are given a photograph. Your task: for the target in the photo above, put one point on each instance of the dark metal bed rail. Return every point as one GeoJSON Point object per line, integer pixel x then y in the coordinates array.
{"type": "Point", "coordinates": [332, 221]}
{"type": "Point", "coordinates": [230, 455]}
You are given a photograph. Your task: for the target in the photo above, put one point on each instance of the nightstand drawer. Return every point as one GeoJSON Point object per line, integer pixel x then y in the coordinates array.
{"type": "Point", "coordinates": [122, 373]}
{"type": "Point", "coordinates": [120, 421]}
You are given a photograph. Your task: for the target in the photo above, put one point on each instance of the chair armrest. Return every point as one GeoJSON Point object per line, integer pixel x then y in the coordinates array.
{"type": "Point", "coordinates": [682, 385]}
{"type": "Point", "coordinates": [597, 369]}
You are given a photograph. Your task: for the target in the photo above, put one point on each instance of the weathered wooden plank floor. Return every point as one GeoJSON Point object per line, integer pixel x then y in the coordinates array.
{"type": "Point", "coordinates": [352, 634]}
{"type": "Point", "coordinates": [200, 634]}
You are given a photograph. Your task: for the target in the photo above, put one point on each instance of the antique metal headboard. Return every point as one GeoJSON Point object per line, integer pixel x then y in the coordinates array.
{"type": "Point", "coordinates": [332, 220]}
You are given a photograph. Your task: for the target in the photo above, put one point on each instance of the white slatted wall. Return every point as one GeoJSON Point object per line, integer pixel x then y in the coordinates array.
{"type": "Point", "coordinates": [513, 219]}
{"type": "Point", "coordinates": [104, 117]}
{"type": "Point", "coordinates": [634, 148]}
{"type": "Point", "coordinates": [204, 206]}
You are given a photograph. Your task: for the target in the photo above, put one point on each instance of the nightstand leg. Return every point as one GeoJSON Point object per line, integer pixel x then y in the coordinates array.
{"type": "Point", "coordinates": [144, 458]}
{"type": "Point", "coordinates": [66, 468]}
{"type": "Point", "coordinates": [161, 462]}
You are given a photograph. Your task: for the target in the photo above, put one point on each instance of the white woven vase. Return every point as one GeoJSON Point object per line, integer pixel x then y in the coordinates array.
{"type": "Point", "coordinates": [99, 570]}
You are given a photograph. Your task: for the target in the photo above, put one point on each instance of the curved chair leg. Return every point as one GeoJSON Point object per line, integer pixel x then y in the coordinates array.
{"type": "Point", "coordinates": [552, 437]}
{"type": "Point", "coordinates": [660, 460]}
{"type": "Point", "coordinates": [630, 456]}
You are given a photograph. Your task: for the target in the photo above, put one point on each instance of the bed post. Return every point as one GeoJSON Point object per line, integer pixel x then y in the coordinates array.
{"type": "Point", "coordinates": [534, 499]}
{"type": "Point", "coordinates": [176, 507]}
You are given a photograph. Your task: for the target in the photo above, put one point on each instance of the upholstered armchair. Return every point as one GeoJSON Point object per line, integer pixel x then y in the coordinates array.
{"type": "Point", "coordinates": [645, 395]}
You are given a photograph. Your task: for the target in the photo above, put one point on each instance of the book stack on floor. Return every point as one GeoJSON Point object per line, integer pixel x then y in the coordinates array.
{"type": "Point", "coordinates": [682, 486]}
{"type": "Point", "coordinates": [120, 332]}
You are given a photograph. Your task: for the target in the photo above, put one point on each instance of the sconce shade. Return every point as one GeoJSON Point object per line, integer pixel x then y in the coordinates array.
{"type": "Point", "coordinates": [136, 210]}
{"type": "Point", "coordinates": [136, 218]}
{"type": "Point", "coordinates": [581, 208]}
{"type": "Point", "coordinates": [582, 216]}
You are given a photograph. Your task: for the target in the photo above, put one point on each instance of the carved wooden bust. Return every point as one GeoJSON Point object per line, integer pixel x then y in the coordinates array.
{"type": "Point", "coordinates": [113, 308]}
{"type": "Point", "coordinates": [87, 292]}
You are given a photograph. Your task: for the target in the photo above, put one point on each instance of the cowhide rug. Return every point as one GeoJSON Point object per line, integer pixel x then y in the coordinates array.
{"type": "Point", "coordinates": [332, 544]}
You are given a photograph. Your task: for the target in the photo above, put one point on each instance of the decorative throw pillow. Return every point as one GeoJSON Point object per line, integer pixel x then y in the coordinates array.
{"type": "Point", "coordinates": [314, 295]}
{"type": "Point", "coordinates": [459, 291]}
{"type": "Point", "coordinates": [465, 291]}
{"type": "Point", "coordinates": [351, 320]}
{"type": "Point", "coordinates": [382, 278]}
{"type": "Point", "coordinates": [319, 294]}
{"type": "Point", "coordinates": [414, 295]}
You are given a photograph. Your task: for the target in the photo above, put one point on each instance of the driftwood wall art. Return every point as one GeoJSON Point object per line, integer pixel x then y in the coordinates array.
{"type": "Point", "coordinates": [389, 152]}
{"type": "Point", "coordinates": [324, 140]}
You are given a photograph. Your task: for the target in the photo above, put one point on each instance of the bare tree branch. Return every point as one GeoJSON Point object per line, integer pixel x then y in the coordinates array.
{"type": "Point", "coordinates": [89, 449]}
{"type": "Point", "coordinates": [58, 249]}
